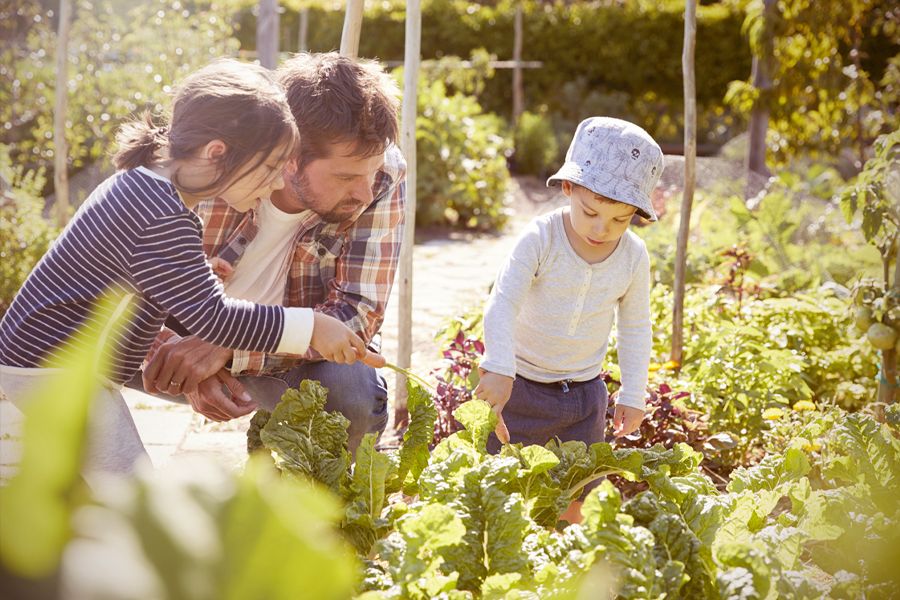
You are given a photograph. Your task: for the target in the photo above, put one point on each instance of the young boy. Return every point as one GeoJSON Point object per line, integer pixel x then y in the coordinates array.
{"type": "Point", "coordinates": [548, 320]}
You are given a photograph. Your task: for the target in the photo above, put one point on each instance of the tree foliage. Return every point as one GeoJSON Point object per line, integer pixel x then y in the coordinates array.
{"type": "Point", "coordinates": [116, 69]}
{"type": "Point", "coordinates": [825, 94]}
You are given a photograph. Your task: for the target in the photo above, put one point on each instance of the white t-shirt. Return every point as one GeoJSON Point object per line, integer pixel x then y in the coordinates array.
{"type": "Point", "coordinates": [261, 274]}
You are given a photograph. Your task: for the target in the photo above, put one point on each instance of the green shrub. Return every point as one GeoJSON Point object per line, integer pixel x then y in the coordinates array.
{"type": "Point", "coordinates": [461, 152]}
{"type": "Point", "coordinates": [24, 233]}
{"type": "Point", "coordinates": [537, 150]}
{"type": "Point", "coordinates": [630, 48]}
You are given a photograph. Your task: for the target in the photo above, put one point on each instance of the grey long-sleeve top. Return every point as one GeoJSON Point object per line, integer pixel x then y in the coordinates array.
{"type": "Point", "coordinates": [550, 313]}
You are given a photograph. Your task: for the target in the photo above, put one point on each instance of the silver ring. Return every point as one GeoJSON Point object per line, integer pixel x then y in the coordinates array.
{"type": "Point", "coordinates": [174, 383]}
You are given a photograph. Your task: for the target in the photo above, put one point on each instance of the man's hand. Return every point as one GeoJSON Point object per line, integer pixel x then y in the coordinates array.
{"type": "Point", "coordinates": [180, 364]}
{"type": "Point", "coordinates": [626, 420]}
{"type": "Point", "coordinates": [336, 342]}
{"type": "Point", "coordinates": [164, 335]}
{"type": "Point", "coordinates": [495, 390]}
{"type": "Point", "coordinates": [219, 403]}
{"type": "Point", "coordinates": [222, 268]}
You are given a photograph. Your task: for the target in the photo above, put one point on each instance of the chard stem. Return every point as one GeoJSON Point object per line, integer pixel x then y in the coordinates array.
{"type": "Point", "coordinates": [409, 375]}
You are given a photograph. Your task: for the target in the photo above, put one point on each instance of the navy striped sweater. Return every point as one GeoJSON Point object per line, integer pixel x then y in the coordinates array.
{"type": "Point", "coordinates": [132, 235]}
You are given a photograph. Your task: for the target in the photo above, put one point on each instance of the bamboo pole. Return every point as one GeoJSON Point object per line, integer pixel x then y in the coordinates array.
{"type": "Point", "coordinates": [408, 145]}
{"type": "Point", "coordinates": [60, 108]}
{"type": "Point", "coordinates": [518, 93]}
{"type": "Point", "coordinates": [690, 159]}
{"type": "Point", "coordinates": [302, 41]}
{"type": "Point", "coordinates": [352, 28]}
{"type": "Point", "coordinates": [267, 33]}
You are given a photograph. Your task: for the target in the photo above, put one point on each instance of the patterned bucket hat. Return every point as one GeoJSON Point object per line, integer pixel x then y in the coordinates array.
{"type": "Point", "coordinates": [616, 159]}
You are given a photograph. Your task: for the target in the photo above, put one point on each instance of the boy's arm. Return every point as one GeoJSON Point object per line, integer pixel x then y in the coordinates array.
{"type": "Point", "coordinates": [498, 369]}
{"type": "Point", "coordinates": [635, 335]}
{"type": "Point", "coordinates": [511, 286]}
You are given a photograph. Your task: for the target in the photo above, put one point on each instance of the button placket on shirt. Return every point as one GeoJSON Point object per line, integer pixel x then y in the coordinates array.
{"type": "Point", "coordinates": [579, 302]}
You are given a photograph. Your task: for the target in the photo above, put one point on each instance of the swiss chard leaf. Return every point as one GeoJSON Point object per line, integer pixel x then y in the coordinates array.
{"type": "Point", "coordinates": [479, 421]}
{"type": "Point", "coordinates": [773, 471]}
{"type": "Point", "coordinates": [306, 441]}
{"type": "Point", "coordinates": [417, 438]}
{"type": "Point", "coordinates": [363, 523]}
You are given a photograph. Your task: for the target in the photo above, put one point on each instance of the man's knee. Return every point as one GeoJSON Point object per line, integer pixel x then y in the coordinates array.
{"type": "Point", "coordinates": [358, 391]}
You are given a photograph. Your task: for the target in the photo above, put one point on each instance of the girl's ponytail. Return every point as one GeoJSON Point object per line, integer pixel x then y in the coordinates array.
{"type": "Point", "coordinates": [139, 142]}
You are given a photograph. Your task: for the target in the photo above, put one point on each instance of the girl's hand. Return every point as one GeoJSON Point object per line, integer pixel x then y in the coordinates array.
{"type": "Point", "coordinates": [163, 337]}
{"type": "Point", "coordinates": [336, 342]}
{"type": "Point", "coordinates": [495, 390]}
{"type": "Point", "coordinates": [626, 420]}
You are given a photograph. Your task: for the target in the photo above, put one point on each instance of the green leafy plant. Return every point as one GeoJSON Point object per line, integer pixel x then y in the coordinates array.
{"type": "Point", "coordinates": [24, 233]}
{"type": "Point", "coordinates": [116, 70]}
{"type": "Point", "coordinates": [573, 41]}
{"type": "Point", "coordinates": [36, 505]}
{"type": "Point", "coordinates": [875, 196]}
{"type": "Point", "coordinates": [463, 151]}
{"type": "Point", "coordinates": [537, 150]}
{"type": "Point", "coordinates": [824, 93]}
{"type": "Point", "coordinates": [782, 527]}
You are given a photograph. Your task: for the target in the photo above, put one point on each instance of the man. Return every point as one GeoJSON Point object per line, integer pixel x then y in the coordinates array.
{"type": "Point", "coordinates": [330, 240]}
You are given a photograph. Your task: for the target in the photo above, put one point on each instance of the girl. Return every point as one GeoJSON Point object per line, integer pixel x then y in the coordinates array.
{"type": "Point", "coordinates": [230, 134]}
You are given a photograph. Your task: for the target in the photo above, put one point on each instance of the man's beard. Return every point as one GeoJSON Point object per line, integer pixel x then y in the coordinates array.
{"type": "Point", "coordinates": [309, 199]}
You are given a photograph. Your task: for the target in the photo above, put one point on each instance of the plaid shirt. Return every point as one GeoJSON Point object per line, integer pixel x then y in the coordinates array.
{"type": "Point", "coordinates": [343, 269]}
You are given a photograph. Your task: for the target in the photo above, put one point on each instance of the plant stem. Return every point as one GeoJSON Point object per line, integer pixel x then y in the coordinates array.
{"type": "Point", "coordinates": [409, 375]}
{"type": "Point", "coordinates": [887, 386]}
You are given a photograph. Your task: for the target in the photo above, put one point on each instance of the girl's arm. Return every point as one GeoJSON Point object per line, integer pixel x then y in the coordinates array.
{"type": "Point", "coordinates": [169, 268]}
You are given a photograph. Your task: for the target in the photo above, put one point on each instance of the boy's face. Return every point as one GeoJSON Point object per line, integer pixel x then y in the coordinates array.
{"type": "Point", "coordinates": [596, 219]}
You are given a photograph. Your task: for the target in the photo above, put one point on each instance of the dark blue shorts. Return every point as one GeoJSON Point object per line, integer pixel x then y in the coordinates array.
{"type": "Point", "coordinates": [538, 412]}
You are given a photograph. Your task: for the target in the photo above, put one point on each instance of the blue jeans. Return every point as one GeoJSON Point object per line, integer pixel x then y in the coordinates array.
{"type": "Point", "coordinates": [358, 391]}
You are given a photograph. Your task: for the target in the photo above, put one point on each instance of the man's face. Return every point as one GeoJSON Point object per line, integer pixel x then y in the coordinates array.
{"type": "Point", "coordinates": [337, 188]}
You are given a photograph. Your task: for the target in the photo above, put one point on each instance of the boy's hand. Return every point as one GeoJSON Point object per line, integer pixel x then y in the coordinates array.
{"type": "Point", "coordinates": [495, 390]}
{"type": "Point", "coordinates": [626, 420]}
{"type": "Point", "coordinates": [338, 343]}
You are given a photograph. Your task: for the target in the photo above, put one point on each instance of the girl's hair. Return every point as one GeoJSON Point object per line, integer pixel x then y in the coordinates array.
{"type": "Point", "coordinates": [240, 104]}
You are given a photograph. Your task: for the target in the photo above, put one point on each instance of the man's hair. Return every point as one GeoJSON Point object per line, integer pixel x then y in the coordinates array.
{"type": "Point", "coordinates": [335, 99]}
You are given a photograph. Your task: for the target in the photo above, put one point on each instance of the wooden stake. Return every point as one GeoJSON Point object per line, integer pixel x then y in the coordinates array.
{"type": "Point", "coordinates": [759, 116]}
{"type": "Point", "coordinates": [518, 92]}
{"type": "Point", "coordinates": [352, 28]}
{"type": "Point", "coordinates": [690, 159]}
{"type": "Point", "coordinates": [302, 42]}
{"type": "Point", "coordinates": [60, 108]}
{"type": "Point", "coordinates": [267, 33]}
{"type": "Point", "coordinates": [408, 145]}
